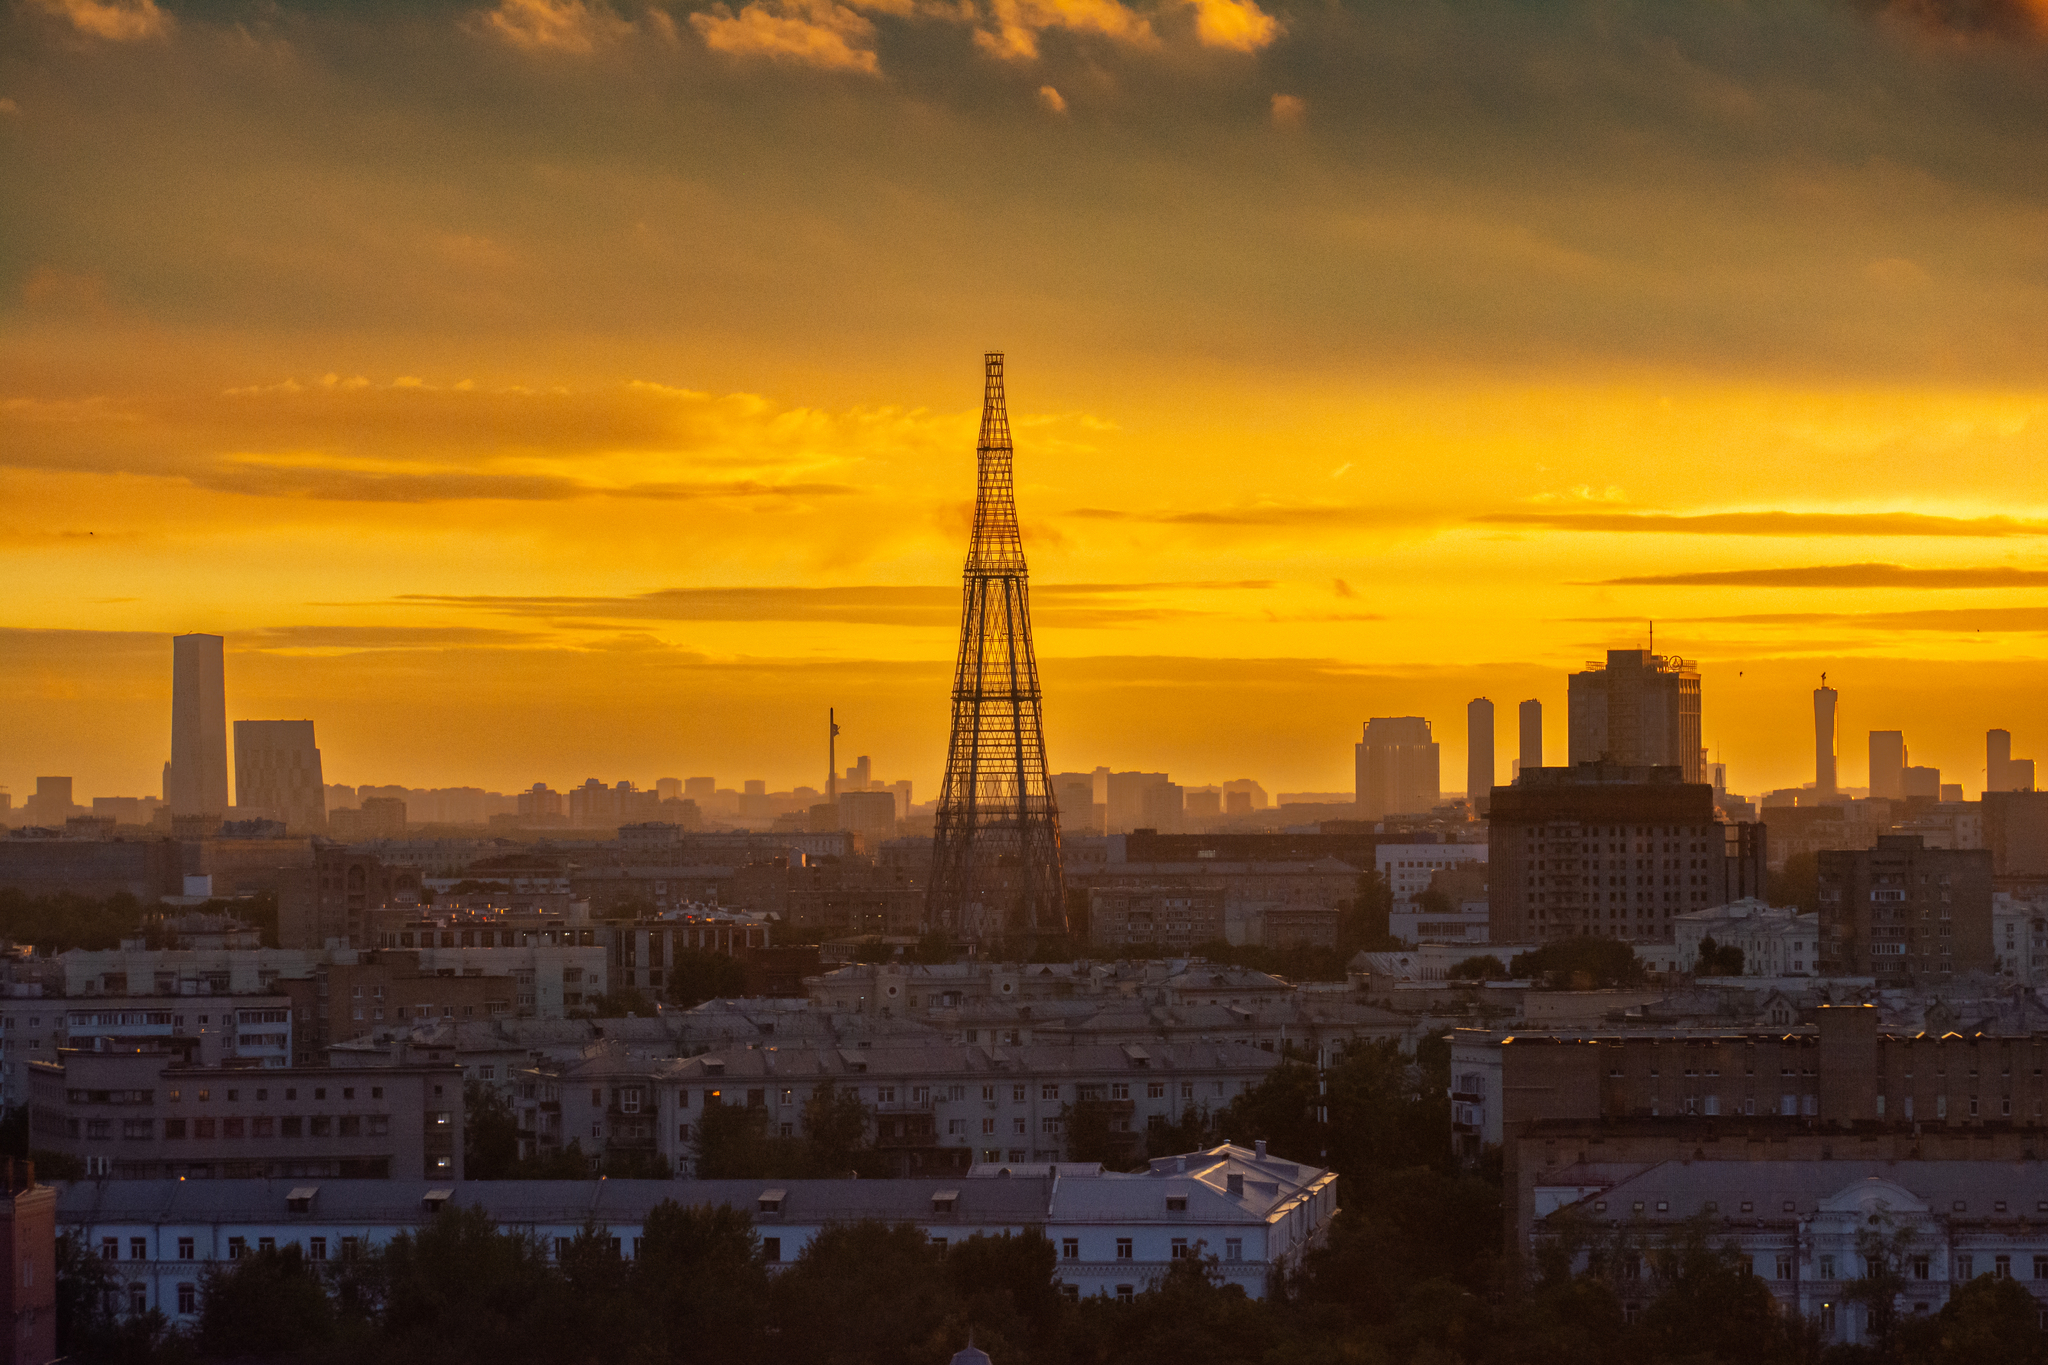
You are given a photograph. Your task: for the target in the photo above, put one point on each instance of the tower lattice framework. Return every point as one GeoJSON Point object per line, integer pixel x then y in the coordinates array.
{"type": "Point", "coordinates": [996, 855]}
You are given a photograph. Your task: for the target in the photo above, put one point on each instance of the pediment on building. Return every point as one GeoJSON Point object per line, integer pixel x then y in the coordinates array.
{"type": "Point", "coordinates": [1873, 1195]}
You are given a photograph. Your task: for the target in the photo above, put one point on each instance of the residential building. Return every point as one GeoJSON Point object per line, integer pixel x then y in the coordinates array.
{"type": "Point", "coordinates": [2015, 825]}
{"type": "Point", "coordinates": [1113, 1233]}
{"type": "Point", "coordinates": [1637, 710]}
{"type": "Point", "coordinates": [196, 779]}
{"type": "Point", "coordinates": [28, 1266]}
{"type": "Point", "coordinates": [1775, 941]}
{"type": "Point", "coordinates": [51, 805]}
{"type": "Point", "coordinates": [378, 817]}
{"type": "Point", "coordinates": [277, 773]}
{"type": "Point", "coordinates": [1408, 868]}
{"type": "Point", "coordinates": [1143, 801]}
{"type": "Point", "coordinates": [1904, 913]}
{"type": "Point", "coordinates": [1253, 893]}
{"type": "Point", "coordinates": [1612, 851]}
{"type": "Point", "coordinates": [1397, 768]}
{"type": "Point", "coordinates": [643, 952]}
{"type": "Point", "coordinates": [1175, 916]}
{"type": "Point", "coordinates": [149, 1113]}
{"type": "Point", "coordinates": [869, 814]}
{"type": "Point", "coordinates": [147, 869]}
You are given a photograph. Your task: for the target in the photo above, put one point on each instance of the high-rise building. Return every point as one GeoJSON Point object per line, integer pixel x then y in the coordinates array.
{"type": "Point", "coordinates": [1905, 913]}
{"type": "Point", "coordinates": [1397, 768]}
{"type": "Point", "coordinates": [2003, 772]}
{"type": "Point", "coordinates": [277, 773]}
{"type": "Point", "coordinates": [1888, 764]}
{"type": "Point", "coordinates": [1143, 801]}
{"type": "Point", "coordinates": [1532, 737]}
{"type": "Point", "coordinates": [1638, 710]}
{"type": "Point", "coordinates": [1478, 751]}
{"type": "Point", "coordinates": [51, 805]}
{"type": "Point", "coordinates": [1824, 784]}
{"type": "Point", "coordinates": [860, 776]}
{"type": "Point", "coordinates": [1080, 812]}
{"type": "Point", "coordinates": [700, 789]}
{"type": "Point", "coordinates": [1612, 852]}
{"type": "Point", "coordinates": [871, 815]}
{"type": "Point", "coordinates": [196, 782]}
{"type": "Point", "coordinates": [668, 788]}
{"type": "Point", "coordinates": [1921, 781]}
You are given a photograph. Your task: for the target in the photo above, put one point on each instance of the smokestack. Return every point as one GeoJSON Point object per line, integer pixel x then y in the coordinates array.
{"type": "Point", "coordinates": [1824, 697]}
{"type": "Point", "coordinates": [1532, 735]}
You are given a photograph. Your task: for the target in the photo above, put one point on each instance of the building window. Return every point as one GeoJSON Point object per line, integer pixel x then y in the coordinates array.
{"type": "Point", "coordinates": [138, 1250]}
{"type": "Point", "coordinates": [1125, 1293]}
{"type": "Point", "coordinates": [1048, 1092]}
{"type": "Point", "coordinates": [316, 1248]}
{"type": "Point", "coordinates": [1180, 1248]}
{"type": "Point", "coordinates": [1123, 1248]}
{"type": "Point", "coordinates": [2001, 1267]}
{"type": "Point", "coordinates": [188, 1299]}
{"type": "Point", "coordinates": [1070, 1248]}
{"type": "Point", "coordinates": [1966, 1268]}
{"type": "Point", "coordinates": [185, 1249]}
{"type": "Point", "coordinates": [110, 1248]}
{"type": "Point", "coordinates": [237, 1248]}
{"type": "Point", "coordinates": [771, 1248]}
{"type": "Point", "coordinates": [1233, 1248]}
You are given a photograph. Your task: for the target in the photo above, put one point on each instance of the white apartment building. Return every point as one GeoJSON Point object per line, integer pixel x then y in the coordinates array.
{"type": "Point", "coordinates": [1775, 941]}
{"type": "Point", "coordinates": [1409, 867]}
{"type": "Point", "coordinates": [2019, 936]}
{"type": "Point", "coordinates": [1114, 1234]}
{"type": "Point", "coordinates": [237, 1031]}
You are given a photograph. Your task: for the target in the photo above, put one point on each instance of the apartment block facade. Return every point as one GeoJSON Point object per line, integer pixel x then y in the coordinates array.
{"type": "Point", "coordinates": [1904, 913]}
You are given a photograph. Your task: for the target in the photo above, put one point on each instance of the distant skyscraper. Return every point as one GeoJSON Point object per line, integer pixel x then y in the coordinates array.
{"type": "Point", "coordinates": [1888, 764]}
{"type": "Point", "coordinates": [277, 773]}
{"type": "Point", "coordinates": [1639, 710]}
{"type": "Point", "coordinates": [700, 789]}
{"type": "Point", "coordinates": [2003, 772]}
{"type": "Point", "coordinates": [1478, 750]}
{"type": "Point", "coordinates": [197, 781]}
{"type": "Point", "coordinates": [1144, 801]}
{"type": "Point", "coordinates": [1824, 739]}
{"type": "Point", "coordinates": [1398, 769]}
{"type": "Point", "coordinates": [1532, 738]}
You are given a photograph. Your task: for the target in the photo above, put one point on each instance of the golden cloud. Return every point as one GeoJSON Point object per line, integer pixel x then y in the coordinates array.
{"type": "Point", "coordinates": [1017, 24]}
{"type": "Point", "coordinates": [118, 21]}
{"type": "Point", "coordinates": [814, 33]}
{"type": "Point", "coordinates": [1239, 25]}
{"type": "Point", "coordinates": [555, 25]}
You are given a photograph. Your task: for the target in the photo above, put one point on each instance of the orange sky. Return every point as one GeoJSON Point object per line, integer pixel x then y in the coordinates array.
{"type": "Point", "coordinates": [575, 389]}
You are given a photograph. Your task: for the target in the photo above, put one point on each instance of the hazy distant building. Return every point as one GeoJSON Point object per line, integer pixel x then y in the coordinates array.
{"type": "Point", "coordinates": [1478, 751]}
{"type": "Point", "coordinates": [1398, 768]}
{"type": "Point", "coordinates": [51, 805]}
{"type": "Point", "coordinates": [1143, 801]}
{"type": "Point", "coordinates": [379, 817]}
{"type": "Point", "coordinates": [1888, 764]}
{"type": "Point", "coordinates": [1638, 710]}
{"type": "Point", "coordinates": [1824, 784]}
{"type": "Point", "coordinates": [1074, 795]}
{"type": "Point", "coordinates": [2016, 833]}
{"type": "Point", "coordinates": [1204, 806]}
{"type": "Point", "coordinates": [870, 814]}
{"type": "Point", "coordinates": [2003, 772]}
{"type": "Point", "coordinates": [1532, 736]}
{"type": "Point", "coordinates": [277, 773]}
{"type": "Point", "coordinates": [196, 782]}
{"type": "Point", "coordinates": [1905, 913]}
{"type": "Point", "coordinates": [1921, 782]}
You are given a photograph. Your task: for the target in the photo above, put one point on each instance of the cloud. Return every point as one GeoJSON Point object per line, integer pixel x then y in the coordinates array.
{"type": "Point", "coordinates": [354, 638]}
{"type": "Point", "coordinates": [815, 33]}
{"type": "Point", "coordinates": [118, 21]}
{"type": "Point", "coordinates": [1843, 576]}
{"type": "Point", "coordinates": [1275, 514]}
{"type": "Point", "coordinates": [1976, 18]}
{"type": "Point", "coordinates": [334, 482]}
{"type": "Point", "coordinates": [8, 106]}
{"type": "Point", "coordinates": [1017, 24]}
{"type": "Point", "coordinates": [1289, 111]}
{"type": "Point", "coordinates": [1073, 605]}
{"type": "Point", "coordinates": [1771, 523]}
{"type": "Point", "coordinates": [1052, 99]}
{"type": "Point", "coordinates": [570, 26]}
{"type": "Point", "coordinates": [1239, 25]}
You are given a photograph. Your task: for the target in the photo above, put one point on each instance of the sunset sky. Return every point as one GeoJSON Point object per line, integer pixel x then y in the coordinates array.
{"type": "Point", "coordinates": [577, 389]}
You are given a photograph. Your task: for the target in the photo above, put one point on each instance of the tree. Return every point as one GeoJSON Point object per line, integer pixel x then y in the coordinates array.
{"type": "Point", "coordinates": [730, 1142]}
{"type": "Point", "coordinates": [1886, 1253]}
{"type": "Point", "coordinates": [1988, 1321]}
{"type": "Point", "coordinates": [696, 976]}
{"type": "Point", "coordinates": [863, 1294]}
{"type": "Point", "coordinates": [701, 1271]}
{"type": "Point", "coordinates": [1092, 1135]}
{"type": "Point", "coordinates": [835, 1129]}
{"type": "Point", "coordinates": [1363, 926]}
{"type": "Point", "coordinates": [1718, 959]}
{"type": "Point", "coordinates": [934, 947]}
{"type": "Point", "coordinates": [264, 1306]}
{"type": "Point", "coordinates": [1581, 963]}
{"type": "Point", "coordinates": [459, 1290]}
{"type": "Point", "coordinates": [619, 1004]}
{"type": "Point", "coordinates": [1486, 967]}
{"type": "Point", "coordinates": [490, 1133]}
{"type": "Point", "coordinates": [1711, 1305]}
{"type": "Point", "coordinates": [1797, 883]}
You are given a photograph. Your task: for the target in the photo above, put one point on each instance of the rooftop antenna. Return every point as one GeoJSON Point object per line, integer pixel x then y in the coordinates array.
{"type": "Point", "coordinates": [831, 755]}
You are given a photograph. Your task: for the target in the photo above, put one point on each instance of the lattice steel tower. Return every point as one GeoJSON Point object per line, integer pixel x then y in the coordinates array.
{"type": "Point", "coordinates": [996, 855]}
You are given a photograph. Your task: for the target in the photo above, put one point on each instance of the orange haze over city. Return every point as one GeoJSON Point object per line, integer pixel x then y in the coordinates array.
{"type": "Point", "coordinates": [587, 388]}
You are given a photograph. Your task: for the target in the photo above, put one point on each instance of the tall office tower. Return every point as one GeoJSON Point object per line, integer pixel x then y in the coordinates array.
{"type": "Point", "coordinates": [1824, 740]}
{"type": "Point", "coordinates": [1532, 737]}
{"type": "Point", "coordinates": [1997, 759]}
{"type": "Point", "coordinates": [1144, 801]}
{"type": "Point", "coordinates": [668, 788]}
{"type": "Point", "coordinates": [1478, 751]}
{"type": "Point", "coordinates": [197, 781]}
{"type": "Point", "coordinates": [1639, 710]}
{"type": "Point", "coordinates": [277, 772]}
{"type": "Point", "coordinates": [51, 805]}
{"type": "Point", "coordinates": [861, 776]}
{"type": "Point", "coordinates": [1888, 764]}
{"type": "Point", "coordinates": [871, 815]}
{"type": "Point", "coordinates": [1398, 772]}
{"type": "Point", "coordinates": [996, 839]}
{"type": "Point", "coordinates": [700, 789]}
{"type": "Point", "coordinates": [1080, 812]}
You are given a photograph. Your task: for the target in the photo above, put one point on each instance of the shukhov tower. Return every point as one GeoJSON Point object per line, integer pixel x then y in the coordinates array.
{"type": "Point", "coordinates": [996, 854]}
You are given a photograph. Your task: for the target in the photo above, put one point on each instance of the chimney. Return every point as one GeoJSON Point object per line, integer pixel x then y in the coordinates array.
{"type": "Point", "coordinates": [1260, 1147]}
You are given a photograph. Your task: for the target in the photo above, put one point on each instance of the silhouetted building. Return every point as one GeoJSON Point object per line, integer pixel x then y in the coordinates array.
{"type": "Point", "coordinates": [1604, 850]}
{"type": "Point", "coordinates": [1824, 784]}
{"type": "Point", "coordinates": [196, 782]}
{"type": "Point", "coordinates": [1921, 782]}
{"type": "Point", "coordinates": [147, 869]}
{"type": "Point", "coordinates": [1888, 764]}
{"type": "Point", "coordinates": [1905, 913]}
{"type": "Point", "coordinates": [2016, 832]}
{"type": "Point", "coordinates": [28, 1265]}
{"type": "Point", "coordinates": [870, 814]}
{"type": "Point", "coordinates": [1398, 768]}
{"type": "Point", "coordinates": [277, 773]}
{"type": "Point", "coordinates": [1478, 751]}
{"type": "Point", "coordinates": [1143, 801]}
{"type": "Point", "coordinates": [52, 804]}
{"type": "Point", "coordinates": [1532, 735]}
{"type": "Point", "coordinates": [1638, 710]}
{"type": "Point", "coordinates": [2003, 772]}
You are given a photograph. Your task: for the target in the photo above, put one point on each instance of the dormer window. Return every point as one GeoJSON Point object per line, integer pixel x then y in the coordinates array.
{"type": "Point", "coordinates": [1176, 1203]}
{"type": "Point", "coordinates": [943, 1201]}
{"type": "Point", "coordinates": [771, 1200]}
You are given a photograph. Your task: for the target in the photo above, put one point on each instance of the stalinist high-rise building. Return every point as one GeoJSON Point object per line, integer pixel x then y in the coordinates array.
{"type": "Point", "coordinates": [196, 779]}
{"type": "Point", "coordinates": [1638, 710]}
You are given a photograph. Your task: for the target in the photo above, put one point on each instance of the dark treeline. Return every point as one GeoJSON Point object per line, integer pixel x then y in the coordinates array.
{"type": "Point", "coordinates": [61, 922]}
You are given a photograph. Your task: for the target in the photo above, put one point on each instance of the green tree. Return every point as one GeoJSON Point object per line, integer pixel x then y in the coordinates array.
{"type": "Point", "coordinates": [1797, 883]}
{"type": "Point", "coordinates": [835, 1129]}
{"type": "Point", "coordinates": [1485, 967]}
{"type": "Point", "coordinates": [864, 1294]}
{"type": "Point", "coordinates": [459, 1290]}
{"type": "Point", "coordinates": [1988, 1321]}
{"type": "Point", "coordinates": [1582, 963]}
{"type": "Point", "coordinates": [1363, 926]}
{"type": "Point", "coordinates": [730, 1142]}
{"type": "Point", "coordinates": [701, 1271]}
{"type": "Point", "coordinates": [1092, 1135]}
{"type": "Point", "coordinates": [265, 1306]}
{"type": "Point", "coordinates": [1718, 959]}
{"type": "Point", "coordinates": [934, 947]}
{"type": "Point", "coordinates": [618, 1004]}
{"type": "Point", "coordinates": [1710, 1304]}
{"type": "Point", "coordinates": [696, 976]}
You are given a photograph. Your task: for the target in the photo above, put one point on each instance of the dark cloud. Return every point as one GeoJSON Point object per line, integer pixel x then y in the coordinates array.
{"type": "Point", "coordinates": [1843, 576]}
{"type": "Point", "coordinates": [1276, 515]}
{"type": "Point", "coordinates": [1769, 523]}
{"type": "Point", "coordinates": [353, 485]}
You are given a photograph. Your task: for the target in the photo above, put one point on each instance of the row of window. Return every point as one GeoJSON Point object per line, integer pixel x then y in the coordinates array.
{"type": "Point", "coordinates": [631, 1099]}
{"type": "Point", "coordinates": [258, 1126]}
